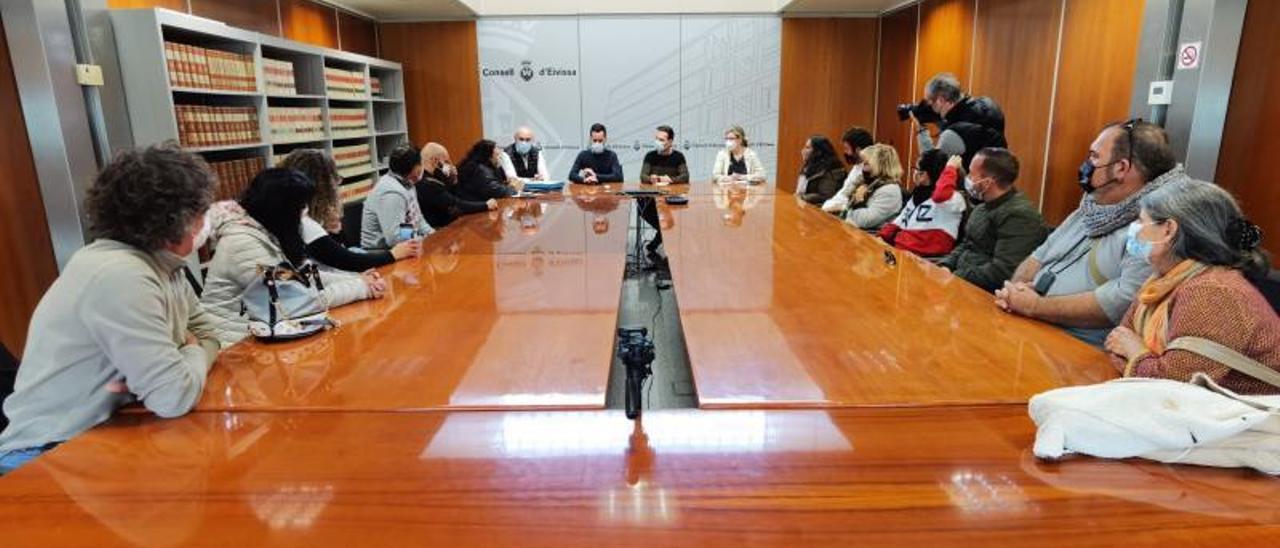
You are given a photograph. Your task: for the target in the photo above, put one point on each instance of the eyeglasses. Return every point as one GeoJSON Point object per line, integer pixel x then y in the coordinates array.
{"type": "Point", "coordinates": [1128, 126]}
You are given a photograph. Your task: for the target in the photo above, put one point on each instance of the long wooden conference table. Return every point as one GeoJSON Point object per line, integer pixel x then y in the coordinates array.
{"type": "Point", "coordinates": [849, 394]}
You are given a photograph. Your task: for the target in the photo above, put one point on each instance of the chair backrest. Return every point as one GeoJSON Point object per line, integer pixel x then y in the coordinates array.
{"type": "Point", "coordinates": [1270, 289]}
{"type": "Point", "coordinates": [352, 217]}
{"type": "Point", "coordinates": [8, 374]}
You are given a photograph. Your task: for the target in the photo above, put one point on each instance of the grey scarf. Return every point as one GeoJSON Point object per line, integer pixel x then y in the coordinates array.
{"type": "Point", "coordinates": [1101, 220]}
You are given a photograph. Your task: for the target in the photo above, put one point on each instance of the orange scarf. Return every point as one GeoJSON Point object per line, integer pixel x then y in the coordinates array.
{"type": "Point", "coordinates": [1151, 317]}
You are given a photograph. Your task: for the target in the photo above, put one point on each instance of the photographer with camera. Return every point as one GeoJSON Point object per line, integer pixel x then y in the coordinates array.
{"type": "Point", "coordinates": [965, 124]}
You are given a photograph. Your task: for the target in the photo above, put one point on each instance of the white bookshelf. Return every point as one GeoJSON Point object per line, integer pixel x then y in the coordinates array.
{"type": "Point", "coordinates": [140, 40]}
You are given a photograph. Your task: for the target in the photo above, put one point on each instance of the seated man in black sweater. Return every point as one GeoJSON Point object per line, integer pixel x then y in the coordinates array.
{"type": "Point", "coordinates": [664, 164]}
{"type": "Point", "coordinates": [597, 164]}
{"type": "Point", "coordinates": [440, 205]}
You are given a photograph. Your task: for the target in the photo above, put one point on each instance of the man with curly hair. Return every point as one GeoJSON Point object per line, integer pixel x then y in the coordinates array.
{"type": "Point", "coordinates": [121, 323]}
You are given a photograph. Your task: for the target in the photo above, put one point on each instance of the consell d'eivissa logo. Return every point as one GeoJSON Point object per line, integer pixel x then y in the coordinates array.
{"type": "Point", "coordinates": [526, 72]}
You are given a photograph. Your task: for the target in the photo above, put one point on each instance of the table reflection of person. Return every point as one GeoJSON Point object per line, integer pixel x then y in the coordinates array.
{"type": "Point", "coordinates": [529, 216]}
{"type": "Point", "coordinates": [600, 206]}
{"type": "Point", "coordinates": [735, 206]}
{"type": "Point", "coordinates": [600, 224]}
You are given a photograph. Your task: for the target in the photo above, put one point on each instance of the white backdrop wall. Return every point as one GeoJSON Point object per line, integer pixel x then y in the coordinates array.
{"type": "Point", "coordinates": [699, 74]}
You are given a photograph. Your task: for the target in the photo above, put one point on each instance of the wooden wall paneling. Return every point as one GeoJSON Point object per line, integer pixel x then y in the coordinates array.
{"type": "Point", "coordinates": [357, 34]}
{"type": "Point", "coordinates": [255, 15]}
{"type": "Point", "coordinates": [828, 84]}
{"type": "Point", "coordinates": [309, 22]}
{"type": "Point", "coordinates": [1095, 76]}
{"type": "Point", "coordinates": [1013, 61]}
{"type": "Point", "coordinates": [25, 245]}
{"type": "Point", "coordinates": [946, 40]}
{"type": "Point", "coordinates": [896, 77]}
{"type": "Point", "coordinates": [175, 5]}
{"type": "Point", "coordinates": [1249, 136]}
{"type": "Point", "coordinates": [441, 81]}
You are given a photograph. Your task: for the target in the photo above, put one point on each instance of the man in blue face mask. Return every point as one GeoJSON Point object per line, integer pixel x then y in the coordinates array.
{"type": "Point", "coordinates": [597, 164]}
{"type": "Point", "coordinates": [1082, 278]}
{"type": "Point", "coordinates": [523, 159]}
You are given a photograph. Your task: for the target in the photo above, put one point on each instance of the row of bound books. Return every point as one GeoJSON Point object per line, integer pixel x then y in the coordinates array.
{"type": "Point", "coordinates": [344, 84]}
{"type": "Point", "coordinates": [353, 160]}
{"type": "Point", "coordinates": [348, 122]}
{"type": "Point", "coordinates": [356, 190]}
{"type": "Point", "coordinates": [234, 176]}
{"type": "Point", "coordinates": [279, 77]}
{"type": "Point", "coordinates": [197, 67]}
{"type": "Point", "coordinates": [295, 123]}
{"type": "Point", "coordinates": [207, 126]}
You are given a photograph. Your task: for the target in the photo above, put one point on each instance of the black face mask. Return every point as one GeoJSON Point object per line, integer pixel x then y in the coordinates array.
{"type": "Point", "coordinates": [1086, 176]}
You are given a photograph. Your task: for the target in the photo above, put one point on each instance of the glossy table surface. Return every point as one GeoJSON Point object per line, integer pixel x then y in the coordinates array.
{"type": "Point", "coordinates": [494, 315]}
{"type": "Point", "coordinates": [782, 305]}
{"type": "Point", "coordinates": [854, 477]}
{"type": "Point", "coordinates": [876, 369]}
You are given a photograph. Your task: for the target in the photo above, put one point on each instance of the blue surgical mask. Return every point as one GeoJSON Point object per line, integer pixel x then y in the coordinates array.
{"type": "Point", "coordinates": [523, 147]}
{"type": "Point", "coordinates": [597, 148]}
{"type": "Point", "coordinates": [1136, 246]}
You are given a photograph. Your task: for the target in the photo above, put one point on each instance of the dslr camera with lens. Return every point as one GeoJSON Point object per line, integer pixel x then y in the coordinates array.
{"type": "Point", "coordinates": [922, 111]}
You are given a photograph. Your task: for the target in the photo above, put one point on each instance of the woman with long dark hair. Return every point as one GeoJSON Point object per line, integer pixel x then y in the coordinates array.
{"type": "Point", "coordinates": [480, 174]}
{"type": "Point", "coordinates": [264, 229]}
{"type": "Point", "coordinates": [821, 173]}
{"type": "Point", "coordinates": [324, 218]}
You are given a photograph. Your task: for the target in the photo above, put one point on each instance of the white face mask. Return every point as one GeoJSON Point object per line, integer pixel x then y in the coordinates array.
{"type": "Point", "coordinates": [597, 147]}
{"type": "Point", "coordinates": [729, 144]}
{"type": "Point", "coordinates": [305, 211]}
{"type": "Point", "coordinates": [971, 188]}
{"type": "Point", "coordinates": [658, 146]}
{"type": "Point", "coordinates": [202, 237]}
{"type": "Point", "coordinates": [446, 169]}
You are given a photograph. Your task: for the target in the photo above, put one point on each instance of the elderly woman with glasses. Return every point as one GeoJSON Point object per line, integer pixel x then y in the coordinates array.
{"type": "Point", "coordinates": [1198, 312]}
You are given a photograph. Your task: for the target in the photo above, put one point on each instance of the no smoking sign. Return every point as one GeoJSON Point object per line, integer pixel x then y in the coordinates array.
{"type": "Point", "coordinates": [1189, 55]}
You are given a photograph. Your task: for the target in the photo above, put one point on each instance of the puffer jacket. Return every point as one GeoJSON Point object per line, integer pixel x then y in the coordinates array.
{"type": "Point", "coordinates": [241, 245]}
{"type": "Point", "coordinates": [979, 122]}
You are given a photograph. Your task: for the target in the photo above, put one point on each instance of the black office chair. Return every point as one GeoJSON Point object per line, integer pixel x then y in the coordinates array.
{"type": "Point", "coordinates": [352, 217]}
{"type": "Point", "coordinates": [1270, 289]}
{"type": "Point", "coordinates": [8, 374]}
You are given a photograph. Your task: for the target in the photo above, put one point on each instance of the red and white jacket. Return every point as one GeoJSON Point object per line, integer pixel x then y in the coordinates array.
{"type": "Point", "coordinates": [930, 228]}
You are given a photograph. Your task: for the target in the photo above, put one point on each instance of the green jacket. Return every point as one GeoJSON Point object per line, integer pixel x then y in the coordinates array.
{"type": "Point", "coordinates": [997, 238]}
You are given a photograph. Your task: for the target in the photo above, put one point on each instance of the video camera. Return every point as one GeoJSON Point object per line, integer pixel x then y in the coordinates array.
{"type": "Point", "coordinates": [636, 351]}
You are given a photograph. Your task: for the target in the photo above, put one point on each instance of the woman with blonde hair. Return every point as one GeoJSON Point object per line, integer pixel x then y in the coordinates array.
{"type": "Point", "coordinates": [1198, 312]}
{"type": "Point", "coordinates": [737, 162]}
{"type": "Point", "coordinates": [878, 197]}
